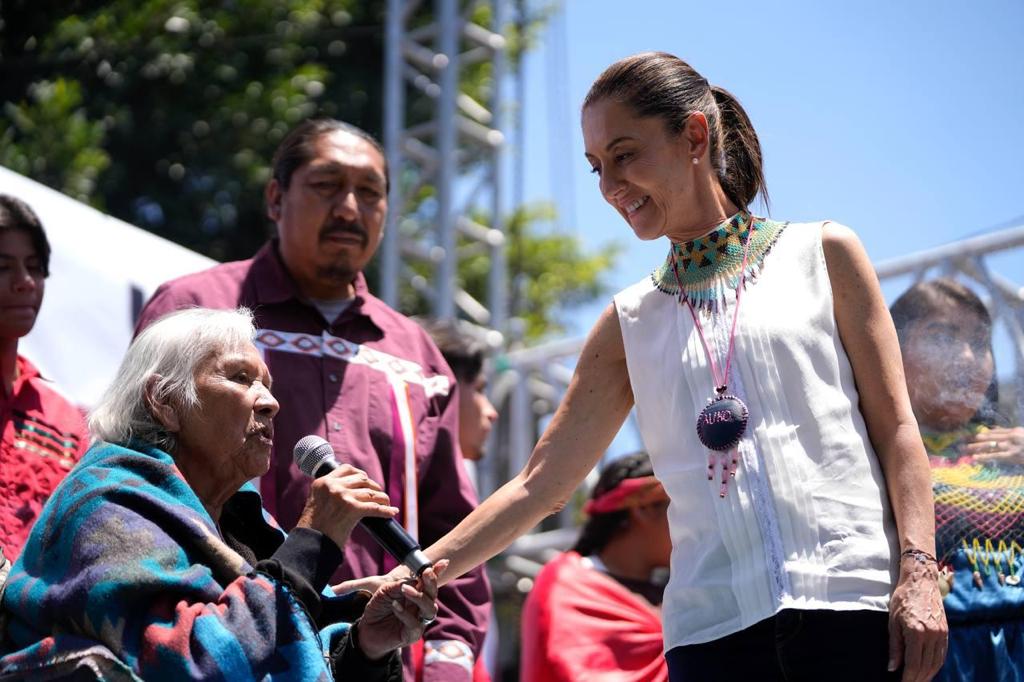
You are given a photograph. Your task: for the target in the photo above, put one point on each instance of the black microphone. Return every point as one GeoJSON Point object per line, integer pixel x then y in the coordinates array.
{"type": "Point", "coordinates": [315, 457]}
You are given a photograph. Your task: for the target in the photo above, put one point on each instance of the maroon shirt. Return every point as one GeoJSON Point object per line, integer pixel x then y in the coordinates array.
{"type": "Point", "coordinates": [332, 380]}
{"type": "Point", "coordinates": [43, 437]}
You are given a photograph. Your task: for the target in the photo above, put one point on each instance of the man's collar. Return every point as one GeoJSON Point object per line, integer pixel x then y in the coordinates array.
{"type": "Point", "coordinates": [272, 283]}
{"type": "Point", "coordinates": [26, 372]}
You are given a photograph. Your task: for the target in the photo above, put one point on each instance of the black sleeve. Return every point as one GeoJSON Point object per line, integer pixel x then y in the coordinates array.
{"type": "Point", "coordinates": [304, 562]}
{"type": "Point", "coordinates": [350, 665]}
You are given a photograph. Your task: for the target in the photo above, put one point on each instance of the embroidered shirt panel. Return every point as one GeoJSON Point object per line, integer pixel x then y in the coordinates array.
{"type": "Point", "coordinates": [43, 437]}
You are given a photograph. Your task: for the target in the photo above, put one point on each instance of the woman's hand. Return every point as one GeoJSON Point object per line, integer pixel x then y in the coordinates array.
{"type": "Point", "coordinates": [340, 499]}
{"type": "Point", "coordinates": [999, 445]}
{"type": "Point", "coordinates": [398, 613]}
{"type": "Point", "coordinates": [917, 622]}
{"type": "Point", "coordinates": [374, 582]}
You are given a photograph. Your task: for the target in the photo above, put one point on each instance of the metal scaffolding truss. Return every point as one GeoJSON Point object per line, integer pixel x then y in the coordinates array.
{"type": "Point", "coordinates": [528, 392]}
{"type": "Point", "coordinates": [456, 147]}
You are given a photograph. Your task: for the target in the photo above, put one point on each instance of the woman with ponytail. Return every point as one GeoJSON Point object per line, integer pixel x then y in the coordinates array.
{"type": "Point", "coordinates": [769, 392]}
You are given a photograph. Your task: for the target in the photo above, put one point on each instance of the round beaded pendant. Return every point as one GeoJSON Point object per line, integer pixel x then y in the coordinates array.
{"type": "Point", "coordinates": [722, 423]}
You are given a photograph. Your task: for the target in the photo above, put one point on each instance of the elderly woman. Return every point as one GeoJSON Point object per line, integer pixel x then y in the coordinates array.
{"type": "Point", "coordinates": [155, 559]}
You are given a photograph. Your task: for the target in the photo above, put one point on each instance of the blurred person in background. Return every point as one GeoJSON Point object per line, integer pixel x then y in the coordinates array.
{"type": "Point", "coordinates": [465, 352]}
{"type": "Point", "coordinates": [350, 368]}
{"type": "Point", "coordinates": [595, 611]}
{"type": "Point", "coordinates": [977, 461]}
{"type": "Point", "coordinates": [155, 558]}
{"type": "Point", "coordinates": [43, 434]}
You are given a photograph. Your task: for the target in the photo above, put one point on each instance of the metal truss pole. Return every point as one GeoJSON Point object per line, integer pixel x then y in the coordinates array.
{"type": "Point", "coordinates": [448, 52]}
{"type": "Point", "coordinates": [453, 145]}
{"type": "Point", "coordinates": [498, 284]}
{"type": "Point", "coordinates": [394, 105]}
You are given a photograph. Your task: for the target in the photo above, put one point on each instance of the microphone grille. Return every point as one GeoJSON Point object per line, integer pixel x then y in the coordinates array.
{"type": "Point", "coordinates": [310, 452]}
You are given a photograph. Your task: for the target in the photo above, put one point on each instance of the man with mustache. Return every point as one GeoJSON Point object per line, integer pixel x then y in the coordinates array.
{"type": "Point", "coordinates": [349, 368]}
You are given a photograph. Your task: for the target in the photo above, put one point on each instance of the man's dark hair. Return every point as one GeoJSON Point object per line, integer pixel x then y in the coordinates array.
{"type": "Point", "coordinates": [298, 147]}
{"type": "Point", "coordinates": [462, 347]}
{"type": "Point", "coordinates": [15, 214]}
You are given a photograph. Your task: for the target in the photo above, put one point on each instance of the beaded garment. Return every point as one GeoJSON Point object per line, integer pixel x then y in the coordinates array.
{"type": "Point", "coordinates": [709, 267]}
{"type": "Point", "coordinates": [978, 507]}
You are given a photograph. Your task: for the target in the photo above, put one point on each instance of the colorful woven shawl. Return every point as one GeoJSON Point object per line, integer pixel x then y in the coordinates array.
{"type": "Point", "coordinates": [125, 556]}
{"type": "Point", "coordinates": [709, 267]}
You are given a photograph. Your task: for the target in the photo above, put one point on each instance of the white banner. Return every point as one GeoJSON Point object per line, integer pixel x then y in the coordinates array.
{"type": "Point", "coordinates": [101, 272]}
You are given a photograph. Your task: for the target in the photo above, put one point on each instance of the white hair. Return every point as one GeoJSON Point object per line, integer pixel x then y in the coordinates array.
{"type": "Point", "coordinates": [172, 348]}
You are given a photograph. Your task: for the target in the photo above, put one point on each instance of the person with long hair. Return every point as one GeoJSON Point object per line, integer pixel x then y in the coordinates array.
{"type": "Point", "coordinates": [43, 433]}
{"type": "Point", "coordinates": [977, 460]}
{"type": "Point", "coordinates": [770, 395]}
{"type": "Point", "coordinates": [596, 610]}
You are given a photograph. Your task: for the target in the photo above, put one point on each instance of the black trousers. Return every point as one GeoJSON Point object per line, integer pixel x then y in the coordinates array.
{"type": "Point", "coordinates": [792, 646]}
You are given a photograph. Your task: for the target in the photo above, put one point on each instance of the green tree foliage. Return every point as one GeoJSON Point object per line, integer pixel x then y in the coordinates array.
{"type": "Point", "coordinates": [165, 113]}
{"type": "Point", "coordinates": [187, 98]}
{"type": "Point", "coordinates": [552, 272]}
{"type": "Point", "coordinates": [71, 162]}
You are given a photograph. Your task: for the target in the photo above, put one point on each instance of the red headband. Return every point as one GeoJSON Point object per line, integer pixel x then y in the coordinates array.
{"type": "Point", "coordinates": [632, 492]}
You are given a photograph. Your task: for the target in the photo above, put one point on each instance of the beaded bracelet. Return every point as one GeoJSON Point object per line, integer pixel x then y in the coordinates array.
{"type": "Point", "coordinates": [919, 555]}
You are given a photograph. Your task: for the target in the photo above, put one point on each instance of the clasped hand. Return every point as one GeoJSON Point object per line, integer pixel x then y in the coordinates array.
{"type": "Point", "coordinates": [399, 611]}
{"type": "Point", "coordinates": [998, 445]}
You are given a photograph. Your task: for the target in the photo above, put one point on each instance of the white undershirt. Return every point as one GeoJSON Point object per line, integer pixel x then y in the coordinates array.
{"type": "Point", "coordinates": [332, 308]}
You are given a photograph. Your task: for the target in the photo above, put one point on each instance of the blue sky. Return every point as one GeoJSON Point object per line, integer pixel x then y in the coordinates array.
{"type": "Point", "coordinates": [902, 119]}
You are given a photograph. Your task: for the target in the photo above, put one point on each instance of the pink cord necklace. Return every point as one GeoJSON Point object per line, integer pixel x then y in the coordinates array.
{"type": "Point", "coordinates": [723, 421]}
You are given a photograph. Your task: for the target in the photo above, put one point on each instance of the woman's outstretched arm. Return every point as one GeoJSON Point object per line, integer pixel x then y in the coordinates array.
{"type": "Point", "coordinates": [594, 408]}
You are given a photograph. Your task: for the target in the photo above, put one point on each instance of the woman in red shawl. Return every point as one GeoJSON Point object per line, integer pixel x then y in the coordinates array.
{"type": "Point", "coordinates": [595, 611]}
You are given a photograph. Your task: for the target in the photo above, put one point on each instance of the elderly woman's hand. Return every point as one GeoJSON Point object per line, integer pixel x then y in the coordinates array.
{"type": "Point", "coordinates": [340, 499]}
{"type": "Point", "coordinates": [917, 621]}
{"type": "Point", "coordinates": [398, 613]}
{"type": "Point", "coordinates": [1002, 445]}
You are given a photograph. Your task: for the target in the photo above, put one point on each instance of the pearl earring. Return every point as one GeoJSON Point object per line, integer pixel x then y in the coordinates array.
{"type": "Point", "coordinates": [695, 161]}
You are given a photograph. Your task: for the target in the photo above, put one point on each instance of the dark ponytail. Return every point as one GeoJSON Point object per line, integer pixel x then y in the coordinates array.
{"type": "Point", "coordinates": [741, 170]}
{"type": "Point", "coordinates": [600, 529]}
{"type": "Point", "coordinates": [661, 85]}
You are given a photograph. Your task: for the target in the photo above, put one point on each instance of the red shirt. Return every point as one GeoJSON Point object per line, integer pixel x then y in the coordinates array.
{"type": "Point", "coordinates": [43, 436]}
{"type": "Point", "coordinates": [336, 380]}
{"type": "Point", "coordinates": [579, 623]}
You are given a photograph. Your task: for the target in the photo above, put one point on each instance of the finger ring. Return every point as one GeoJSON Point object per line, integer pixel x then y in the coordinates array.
{"type": "Point", "coordinates": [993, 446]}
{"type": "Point", "coordinates": [426, 621]}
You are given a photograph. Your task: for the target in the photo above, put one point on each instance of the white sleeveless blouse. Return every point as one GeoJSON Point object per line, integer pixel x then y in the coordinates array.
{"type": "Point", "coordinates": [806, 522]}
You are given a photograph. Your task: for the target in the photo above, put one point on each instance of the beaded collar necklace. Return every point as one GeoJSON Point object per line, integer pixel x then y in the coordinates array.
{"type": "Point", "coordinates": [703, 271]}
{"type": "Point", "coordinates": [723, 421]}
